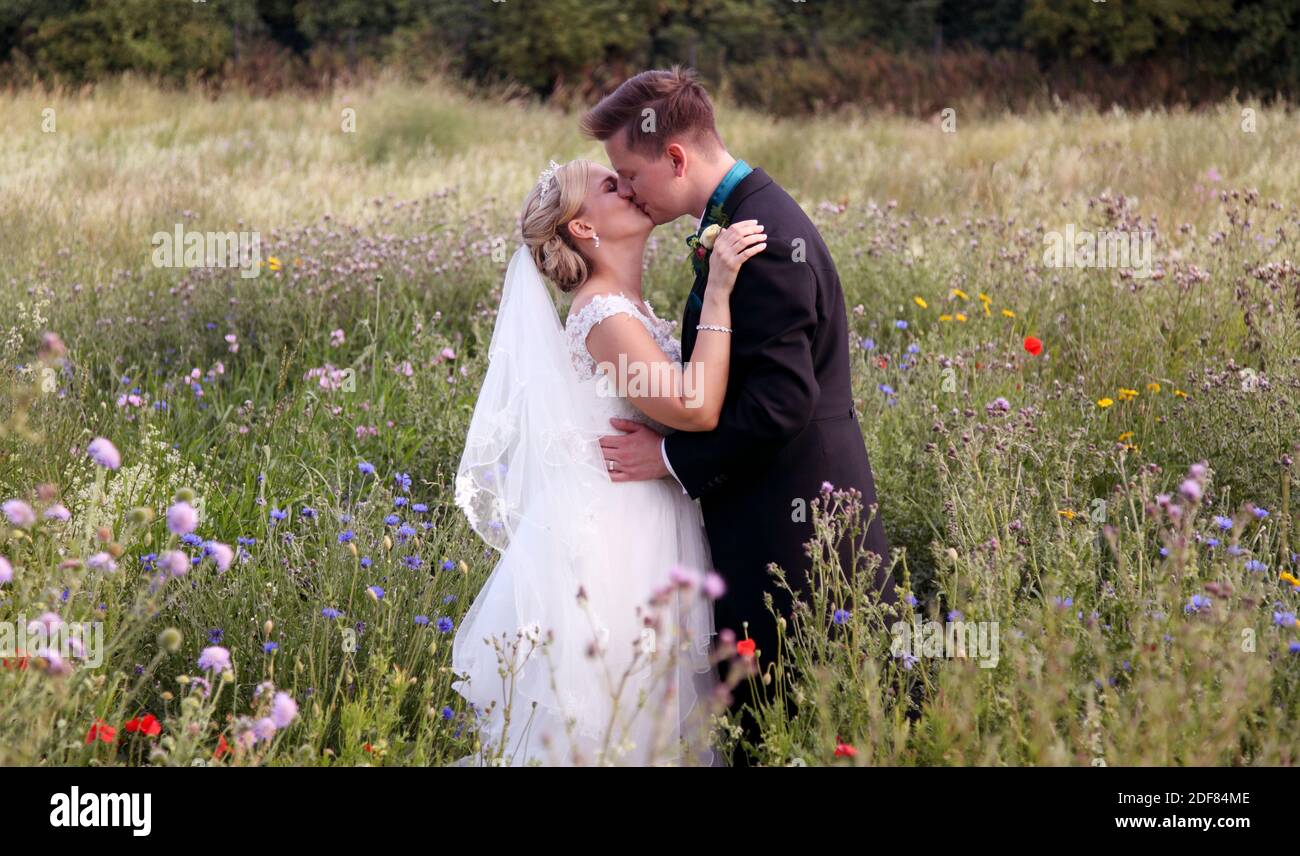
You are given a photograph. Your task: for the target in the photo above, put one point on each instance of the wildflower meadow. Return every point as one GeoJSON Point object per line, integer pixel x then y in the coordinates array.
{"type": "Point", "coordinates": [228, 488]}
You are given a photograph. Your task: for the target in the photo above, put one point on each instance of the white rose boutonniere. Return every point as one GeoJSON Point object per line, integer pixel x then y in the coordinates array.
{"type": "Point", "coordinates": [709, 235]}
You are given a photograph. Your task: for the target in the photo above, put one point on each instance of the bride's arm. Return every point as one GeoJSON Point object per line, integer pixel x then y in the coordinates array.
{"type": "Point", "coordinates": [657, 385]}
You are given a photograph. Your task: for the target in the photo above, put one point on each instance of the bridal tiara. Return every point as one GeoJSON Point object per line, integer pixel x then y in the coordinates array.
{"type": "Point", "coordinates": [547, 174]}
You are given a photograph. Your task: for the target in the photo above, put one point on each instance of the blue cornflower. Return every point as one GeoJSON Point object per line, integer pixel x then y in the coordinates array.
{"type": "Point", "coordinates": [1197, 603]}
{"type": "Point", "coordinates": [1256, 565]}
{"type": "Point", "coordinates": [955, 615]}
{"type": "Point", "coordinates": [1064, 601]}
{"type": "Point", "coordinates": [392, 520]}
{"type": "Point", "coordinates": [269, 647]}
{"type": "Point", "coordinates": [913, 348]}
{"type": "Point", "coordinates": [448, 564]}
{"type": "Point", "coordinates": [277, 514]}
{"type": "Point", "coordinates": [445, 624]}
{"type": "Point", "coordinates": [885, 388]}
{"type": "Point", "coordinates": [330, 612]}
{"type": "Point", "coordinates": [419, 508]}
{"type": "Point", "coordinates": [448, 713]}
{"type": "Point", "coordinates": [412, 562]}
{"type": "Point", "coordinates": [399, 501]}
{"type": "Point", "coordinates": [403, 480]}
{"type": "Point", "coordinates": [1294, 647]}
{"type": "Point", "coordinates": [900, 324]}
{"type": "Point", "coordinates": [1284, 619]}
{"type": "Point", "coordinates": [1260, 513]}
{"type": "Point", "coordinates": [1222, 522]}
{"type": "Point", "coordinates": [840, 616]}
{"type": "Point", "coordinates": [365, 561]}
{"type": "Point", "coordinates": [868, 344]}
{"type": "Point", "coordinates": [308, 512]}
{"type": "Point", "coordinates": [911, 600]}
{"type": "Point", "coordinates": [376, 592]}
{"type": "Point", "coordinates": [422, 620]}
{"type": "Point", "coordinates": [405, 531]}
{"type": "Point", "coordinates": [215, 635]}
{"type": "Point", "coordinates": [345, 536]}
{"type": "Point", "coordinates": [367, 469]}
{"type": "Point", "coordinates": [190, 539]}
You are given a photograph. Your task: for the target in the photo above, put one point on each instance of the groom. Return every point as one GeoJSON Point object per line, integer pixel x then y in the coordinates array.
{"type": "Point", "coordinates": [788, 423]}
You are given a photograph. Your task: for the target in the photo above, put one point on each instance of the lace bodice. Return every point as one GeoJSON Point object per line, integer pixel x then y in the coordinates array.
{"type": "Point", "coordinates": [601, 306]}
{"type": "Point", "coordinates": [578, 325]}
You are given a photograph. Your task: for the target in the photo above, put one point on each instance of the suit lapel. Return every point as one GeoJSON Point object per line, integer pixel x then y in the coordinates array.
{"type": "Point", "coordinates": [756, 180]}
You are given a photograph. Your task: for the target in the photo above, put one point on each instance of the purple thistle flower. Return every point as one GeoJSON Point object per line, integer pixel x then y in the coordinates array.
{"type": "Point", "coordinates": [104, 453]}
{"type": "Point", "coordinates": [214, 658]}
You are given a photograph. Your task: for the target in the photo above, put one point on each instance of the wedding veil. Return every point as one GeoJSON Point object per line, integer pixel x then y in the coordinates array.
{"type": "Point", "coordinates": [528, 454]}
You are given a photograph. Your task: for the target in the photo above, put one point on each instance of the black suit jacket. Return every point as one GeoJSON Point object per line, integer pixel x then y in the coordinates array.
{"type": "Point", "coordinates": [787, 423]}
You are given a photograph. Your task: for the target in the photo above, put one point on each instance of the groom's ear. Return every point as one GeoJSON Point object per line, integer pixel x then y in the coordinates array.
{"type": "Point", "coordinates": [677, 155]}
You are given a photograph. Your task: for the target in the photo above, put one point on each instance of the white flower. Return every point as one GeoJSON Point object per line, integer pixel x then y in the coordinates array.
{"type": "Point", "coordinates": [709, 235]}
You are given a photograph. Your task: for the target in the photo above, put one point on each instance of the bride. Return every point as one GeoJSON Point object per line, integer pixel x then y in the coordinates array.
{"type": "Point", "coordinates": [590, 641]}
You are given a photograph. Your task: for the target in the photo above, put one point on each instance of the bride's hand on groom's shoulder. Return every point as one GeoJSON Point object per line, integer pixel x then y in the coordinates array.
{"type": "Point", "coordinates": [732, 246]}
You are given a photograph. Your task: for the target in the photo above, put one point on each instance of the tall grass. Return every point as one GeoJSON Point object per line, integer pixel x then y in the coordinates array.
{"type": "Point", "coordinates": [1015, 493]}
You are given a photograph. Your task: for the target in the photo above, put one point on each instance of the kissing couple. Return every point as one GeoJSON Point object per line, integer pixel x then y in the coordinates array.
{"type": "Point", "coordinates": [635, 525]}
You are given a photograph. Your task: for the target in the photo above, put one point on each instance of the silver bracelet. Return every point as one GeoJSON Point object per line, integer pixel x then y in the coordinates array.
{"type": "Point", "coordinates": [717, 327]}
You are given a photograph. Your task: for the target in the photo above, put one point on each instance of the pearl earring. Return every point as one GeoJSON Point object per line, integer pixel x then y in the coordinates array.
{"type": "Point", "coordinates": [597, 237]}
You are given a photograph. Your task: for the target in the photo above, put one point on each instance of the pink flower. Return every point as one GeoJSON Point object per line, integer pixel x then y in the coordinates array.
{"type": "Point", "coordinates": [174, 563]}
{"type": "Point", "coordinates": [283, 709]}
{"type": "Point", "coordinates": [222, 555]}
{"type": "Point", "coordinates": [182, 519]}
{"type": "Point", "coordinates": [684, 577]}
{"type": "Point", "coordinates": [214, 658]}
{"type": "Point", "coordinates": [714, 585]}
{"type": "Point", "coordinates": [1190, 490]}
{"type": "Point", "coordinates": [104, 453]}
{"type": "Point", "coordinates": [264, 728]}
{"type": "Point", "coordinates": [448, 354]}
{"type": "Point", "coordinates": [102, 562]}
{"type": "Point", "coordinates": [19, 513]}
{"type": "Point", "coordinates": [337, 338]}
{"type": "Point", "coordinates": [6, 570]}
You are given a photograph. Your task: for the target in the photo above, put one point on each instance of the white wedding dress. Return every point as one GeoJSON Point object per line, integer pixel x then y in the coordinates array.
{"type": "Point", "coordinates": [533, 484]}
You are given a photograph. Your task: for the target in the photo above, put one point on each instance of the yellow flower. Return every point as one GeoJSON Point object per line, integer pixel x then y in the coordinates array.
{"type": "Point", "coordinates": [1127, 394]}
{"type": "Point", "coordinates": [1286, 577]}
{"type": "Point", "coordinates": [984, 297]}
{"type": "Point", "coordinates": [961, 317]}
{"type": "Point", "coordinates": [1008, 313]}
{"type": "Point", "coordinates": [1104, 402]}
{"type": "Point", "coordinates": [945, 317]}
{"type": "Point", "coordinates": [1126, 435]}
{"type": "Point", "coordinates": [957, 292]}
{"type": "Point", "coordinates": [273, 263]}
{"type": "Point", "coordinates": [920, 301]}
{"type": "Point", "coordinates": [1153, 387]}
{"type": "Point", "coordinates": [1066, 513]}
{"type": "Point", "coordinates": [1179, 393]}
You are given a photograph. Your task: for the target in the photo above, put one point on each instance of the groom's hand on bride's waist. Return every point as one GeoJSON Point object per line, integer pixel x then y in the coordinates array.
{"type": "Point", "coordinates": [635, 454]}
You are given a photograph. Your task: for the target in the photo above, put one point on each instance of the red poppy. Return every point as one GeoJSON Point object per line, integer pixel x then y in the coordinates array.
{"type": "Point", "coordinates": [19, 663]}
{"type": "Point", "coordinates": [147, 724]}
{"type": "Point", "coordinates": [883, 362]}
{"type": "Point", "coordinates": [844, 750]}
{"type": "Point", "coordinates": [1033, 346]}
{"type": "Point", "coordinates": [746, 647]}
{"type": "Point", "coordinates": [222, 747]}
{"type": "Point", "coordinates": [368, 747]}
{"type": "Point", "coordinates": [100, 730]}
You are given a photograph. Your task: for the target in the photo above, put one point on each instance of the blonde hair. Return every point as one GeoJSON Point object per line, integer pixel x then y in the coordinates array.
{"type": "Point", "coordinates": [547, 209]}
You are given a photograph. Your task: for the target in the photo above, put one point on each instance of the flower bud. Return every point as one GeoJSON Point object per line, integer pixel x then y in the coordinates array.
{"type": "Point", "coordinates": [170, 640]}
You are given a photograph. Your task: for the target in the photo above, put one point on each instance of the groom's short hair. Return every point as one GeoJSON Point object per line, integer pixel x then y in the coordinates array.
{"type": "Point", "coordinates": [654, 108]}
